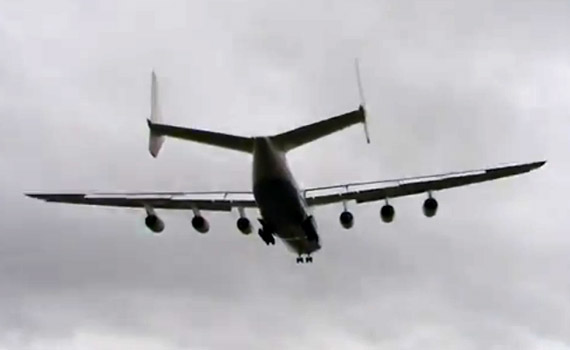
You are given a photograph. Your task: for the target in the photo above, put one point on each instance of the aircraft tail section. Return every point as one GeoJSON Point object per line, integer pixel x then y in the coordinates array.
{"type": "Point", "coordinates": [308, 133]}
{"type": "Point", "coordinates": [285, 141]}
{"type": "Point", "coordinates": [158, 131]}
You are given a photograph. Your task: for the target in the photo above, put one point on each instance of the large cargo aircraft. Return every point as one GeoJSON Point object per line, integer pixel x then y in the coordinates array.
{"type": "Point", "coordinates": [284, 208]}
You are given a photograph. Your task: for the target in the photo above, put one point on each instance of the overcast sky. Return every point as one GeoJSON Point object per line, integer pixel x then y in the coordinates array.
{"type": "Point", "coordinates": [450, 85]}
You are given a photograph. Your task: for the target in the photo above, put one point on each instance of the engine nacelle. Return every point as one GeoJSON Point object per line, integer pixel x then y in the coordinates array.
{"type": "Point", "coordinates": [387, 213]}
{"type": "Point", "coordinates": [154, 223]}
{"type": "Point", "coordinates": [200, 224]}
{"type": "Point", "coordinates": [244, 225]}
{"type": "Point", "coordinates": [346, 219]}
{"type": "Point", "coordinates": [430, 207]}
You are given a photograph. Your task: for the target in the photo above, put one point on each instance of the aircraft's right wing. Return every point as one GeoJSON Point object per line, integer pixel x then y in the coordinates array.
{"type": "Point", "coordinates": [380, 190]}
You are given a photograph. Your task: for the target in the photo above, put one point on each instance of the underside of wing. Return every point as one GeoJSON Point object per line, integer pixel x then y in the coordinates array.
{"type": "Point", "coordinates": [379, 190]}
{"type": "Point", "coordinates": [194, 201]}
{"type": "Point", "coordinates": [208, 201]}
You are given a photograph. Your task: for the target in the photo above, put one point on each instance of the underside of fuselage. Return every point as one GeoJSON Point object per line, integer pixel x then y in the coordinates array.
{"type": "Point", "coordinates": [280, 203]}
{"type": "Point", "coordinates": [296, 240]}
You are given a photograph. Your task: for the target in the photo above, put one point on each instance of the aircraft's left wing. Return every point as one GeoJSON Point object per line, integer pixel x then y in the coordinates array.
{"type": "Point", "coordinates": [379, 190]}
{"type": "Point", "coordinates": [207, 201]}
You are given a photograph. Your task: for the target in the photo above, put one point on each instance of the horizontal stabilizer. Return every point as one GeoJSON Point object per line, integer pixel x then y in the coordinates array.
{"type": "Point", "coordinates": [308, 133]}
{"type": "Point", "coordinates": [158, 130]}
{"type": "Point", "coordinates": [236, 143]}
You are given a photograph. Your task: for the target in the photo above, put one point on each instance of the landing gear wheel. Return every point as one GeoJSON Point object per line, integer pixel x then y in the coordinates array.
{"type": "Point", "coordinates": [308, 259]}
{"type": "Point", "coordinates": [300, 260]}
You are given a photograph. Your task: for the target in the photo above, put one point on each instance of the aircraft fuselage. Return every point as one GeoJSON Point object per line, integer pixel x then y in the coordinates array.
{"type": "Point", "coordinates": [281, 204]}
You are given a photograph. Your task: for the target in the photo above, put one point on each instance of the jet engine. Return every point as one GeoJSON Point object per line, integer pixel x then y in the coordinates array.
{"type": "Point", "coordinates": [244, 225]}
{"type": "Point", "coordinates": [387, 213]}
{"type": "Point", "coordinates": [154, 223]}
{"type": "Point", "coordinates": [346, 219]}
{"type": "Point", "coordinates": [430, 207]}
{"type": "Point", "coordinates": [200, 224]}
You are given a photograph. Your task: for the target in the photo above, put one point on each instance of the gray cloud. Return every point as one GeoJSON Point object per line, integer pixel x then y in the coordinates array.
{"type": "Point", "coordinates": [450, 85]}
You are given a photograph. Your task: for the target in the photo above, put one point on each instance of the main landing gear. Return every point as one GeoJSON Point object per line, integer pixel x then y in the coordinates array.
{"type": "Point", "coordinates": [266, 232]}
{"type": "Point", "coordinates": [266, 237]}
{"type": "Point", "coordinates": [308, 259]}
{"type": "Point", "coordinates": [310, 229]}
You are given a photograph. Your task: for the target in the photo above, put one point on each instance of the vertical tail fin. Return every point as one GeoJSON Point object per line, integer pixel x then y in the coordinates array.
{"type": "Point", "coordinates": [362, 101]}
{"type": "Point", "coordinates": [155, 140]}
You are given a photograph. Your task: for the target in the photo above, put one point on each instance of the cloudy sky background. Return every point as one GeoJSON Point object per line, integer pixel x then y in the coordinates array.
{"type": "Point", "coordinates": [450, 85]}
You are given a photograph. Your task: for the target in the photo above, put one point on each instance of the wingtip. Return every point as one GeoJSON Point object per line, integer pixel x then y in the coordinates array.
{"type": "Point", "coordinates": [36, 196]}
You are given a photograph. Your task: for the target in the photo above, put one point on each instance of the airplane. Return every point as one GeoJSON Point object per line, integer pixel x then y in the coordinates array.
{"type": "Point", "coordinates": [284, 208]}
